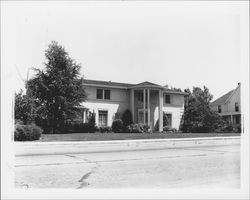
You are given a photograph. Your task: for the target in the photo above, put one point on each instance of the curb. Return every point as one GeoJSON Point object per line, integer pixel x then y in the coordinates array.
{"type": "Point", "coordinates": [59, 148]}
{"type": "Point", "coordinates": [127, 141]}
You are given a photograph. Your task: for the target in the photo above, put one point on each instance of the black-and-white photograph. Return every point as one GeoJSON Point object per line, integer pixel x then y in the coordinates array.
{"type": "Point", "coordinates": [125, 99]}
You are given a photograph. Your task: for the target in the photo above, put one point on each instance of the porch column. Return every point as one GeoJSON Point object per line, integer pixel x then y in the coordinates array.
{"type": "Point", "coordinates": [84, 116]}
{"type": "Point", "coordinates": [144, 106]}
{"type": "Point", "coordinates": [160, 111]}
{"type": "Point", "coordinates": [132, 103]}
{"type": "Point", "coordinates": [148, 92]}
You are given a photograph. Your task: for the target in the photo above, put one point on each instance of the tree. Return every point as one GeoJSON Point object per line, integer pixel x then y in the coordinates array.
{"type": "Point", "coordinates": [58, 88]}
{"type": "Point", "coordinates": [198, 116]}
{"type": "Point", "coordinates": [127, 118]}
{"type": "Point", "coordinates": [22, 108]}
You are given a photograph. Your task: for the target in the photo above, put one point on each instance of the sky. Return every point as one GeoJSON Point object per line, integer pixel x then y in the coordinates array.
{"type": "Point", "coordinates": [179, 44]}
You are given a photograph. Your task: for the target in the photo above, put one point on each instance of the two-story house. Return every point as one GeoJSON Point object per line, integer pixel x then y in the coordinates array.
{"type": "Point", "coordinates": [146, 101]}
{"type": "Point", "coordinates": [228, 106]}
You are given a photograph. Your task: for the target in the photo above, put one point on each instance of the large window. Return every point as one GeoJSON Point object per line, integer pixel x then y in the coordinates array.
{"type": "Point", "coordinates": [167, 119]}
{"type": "Point", "coordinates": [236, 107]}
{"type": "Point", "coordinates": [167, 99]}
{"type": "Point", "coordinates": [102, 118]}
{"type": "Point", "coordinates": [102, 94]}
{"type": "Point", "coordinates": [219, 109]}
{"type": "Point", "coordinates": [141, 116]}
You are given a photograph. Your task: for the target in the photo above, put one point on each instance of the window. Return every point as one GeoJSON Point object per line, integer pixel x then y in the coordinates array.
{"type": "Point", "coordinates": [99, 94]}
{"type": "Point", "coordinates": [169, 120]}
{"type": "Point", "coordinates": [102, 118]}
{"type": "Point", "coordinates": [102, 94]}
{"type": "Point", "coordinates": [106, 94]}
{"type": "Point", "coordinates": [236, 107]}
{"type": "Point", "coordinates": [167, 99]}
{"type": "Point", "coordinates": [140, 96]}
{"type": "Point", "coordinates": [219, 109]}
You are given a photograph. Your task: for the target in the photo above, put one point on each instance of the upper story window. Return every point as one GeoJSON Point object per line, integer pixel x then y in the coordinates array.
{"type": "Point", "coordinates": [140, 96]}
{"type": "Point", "coordinates": [102, 94]}
{"type": "Point", "coordinates": [236, 107]}
{"type": "Point", "coordinates": [167, 99]}
{"type": "Point", "coordinates": [99, 94]}
{"type": "Point", "coordinates": [106, 94]}
{"type": "Point", "coordinates": [219, 109]}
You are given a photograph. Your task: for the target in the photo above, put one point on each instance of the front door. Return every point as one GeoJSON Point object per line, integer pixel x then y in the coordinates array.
{"type": "Point", "coordinates": [141, 116]}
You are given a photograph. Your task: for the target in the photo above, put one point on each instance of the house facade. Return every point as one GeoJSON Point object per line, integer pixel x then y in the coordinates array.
{"type": "Point", "coordinates": [146, 101]}
{"type": "Point", "coordinates": [229, 106]}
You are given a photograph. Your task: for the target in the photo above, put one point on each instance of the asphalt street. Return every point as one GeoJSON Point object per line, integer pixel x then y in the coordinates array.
{"type": "Point", "coordinates": [213, 164]}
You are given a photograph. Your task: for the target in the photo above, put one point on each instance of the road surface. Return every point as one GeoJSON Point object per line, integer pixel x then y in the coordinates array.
{"type": "Point", "coordinates": [176, 165]}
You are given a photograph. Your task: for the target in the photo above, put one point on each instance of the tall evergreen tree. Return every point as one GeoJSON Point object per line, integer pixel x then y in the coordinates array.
{"type": "Point", "coordinates": [59, 88]}
{"type": "Point", "coordinates": [198, 116]}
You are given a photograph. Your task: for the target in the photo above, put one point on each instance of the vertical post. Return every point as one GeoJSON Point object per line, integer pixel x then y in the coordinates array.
{"type": "Point", "coordinates": [132, 103]}
{"type": "Point", "coordinates": [232, 119]}
{"type": "Point", "coordinates": [84, 116]}
{"type": "Point", "coordinates": [148, 93]}
{"type": "Point", "coordinates": [160, 111]}
{"type": "Point", "coordinates": [144, 106]}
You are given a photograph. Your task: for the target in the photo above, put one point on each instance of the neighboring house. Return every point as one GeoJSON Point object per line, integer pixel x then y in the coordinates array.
{"type": "Point", "coordinates": [228, 106]}
{"type": "Point", "coordinates": [146, 101]}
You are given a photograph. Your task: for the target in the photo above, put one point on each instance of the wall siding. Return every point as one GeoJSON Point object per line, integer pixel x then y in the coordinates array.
{"type": "Point", "coordinates": [120, 101]}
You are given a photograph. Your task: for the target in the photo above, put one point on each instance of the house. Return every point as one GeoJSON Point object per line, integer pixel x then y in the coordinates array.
{"type": "Point", "coordinates": [228, 106]}
{"type": "Point", "coordinates": [146, 101]}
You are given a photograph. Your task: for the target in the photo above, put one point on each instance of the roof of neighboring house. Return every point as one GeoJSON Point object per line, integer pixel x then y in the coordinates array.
{"type": "Point", "coordinates": [222, 99]}
{"type": "Point", "coordinates": [127, 85]}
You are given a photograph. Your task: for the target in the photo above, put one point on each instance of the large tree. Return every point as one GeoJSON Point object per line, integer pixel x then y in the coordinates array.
{"type": "Point", "coordinates": [58, 88]}
{"type": "Point", "coordinates": [22, 108]}
{"type": "Point", "coordinates": [198, 116]}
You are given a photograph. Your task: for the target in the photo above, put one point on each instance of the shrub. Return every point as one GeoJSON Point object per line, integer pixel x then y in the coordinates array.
{"type": "Point", "coordinates": [167, 129]}
{"type": "Point", "coordinates": [127, 118]}
{"type": "Point", "coordinates": [227, 127]}
{"type": "Point", "coordinates": [105, 129]}
{"type": "Point", "coordinates": [19, 132]}
{"type": "Point", "coordinates": [80, 128]}
{"type": "Point", "coordinates": [138, 128]}
{"type": "Point", "coordinates": [91, 123]}
{"type": "Point", "coordinates": [117, 126]}
{"type": "Point", "coordinates": [27, 132]}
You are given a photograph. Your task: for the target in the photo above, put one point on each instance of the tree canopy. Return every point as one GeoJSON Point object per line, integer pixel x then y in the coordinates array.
{"type": "Point", "coordinates": [198, 116]}
{"type": "Point", "coordinates": [58, 87]}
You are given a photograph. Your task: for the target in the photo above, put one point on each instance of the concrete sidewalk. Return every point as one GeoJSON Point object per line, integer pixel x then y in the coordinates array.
{"type": "Point", "coordinates": [57, 148]}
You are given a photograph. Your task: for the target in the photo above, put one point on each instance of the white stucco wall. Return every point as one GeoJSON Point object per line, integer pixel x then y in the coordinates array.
{"type": "Point", "coordinates": [177, 113]}
{"type": "Point", "coordinates": [118, 103]}
{"type": "Point", "coordinates": [111, 107]}
{"type": "Point", "coordinates": [116, 95]}
{"type": "Point", "coordinates": [176, 108]}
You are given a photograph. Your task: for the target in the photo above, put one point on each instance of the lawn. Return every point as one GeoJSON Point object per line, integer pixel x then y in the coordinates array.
{"type": "Point", "coordinates": [125, 136]}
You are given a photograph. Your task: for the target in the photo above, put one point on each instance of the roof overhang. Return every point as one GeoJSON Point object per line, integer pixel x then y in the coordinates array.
{"type": "Point", "coordinates": [147, 86]}
{"type": "Point", "coordinates": [104, 86]}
